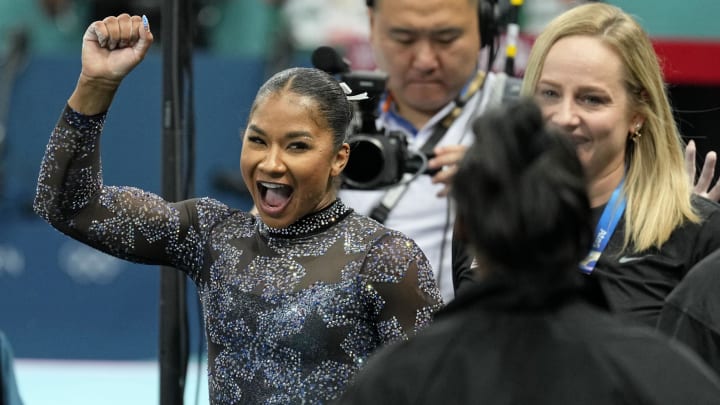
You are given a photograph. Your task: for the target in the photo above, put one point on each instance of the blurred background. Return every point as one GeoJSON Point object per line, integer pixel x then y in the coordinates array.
{"type": "Point", "coordinates": [83, 325]}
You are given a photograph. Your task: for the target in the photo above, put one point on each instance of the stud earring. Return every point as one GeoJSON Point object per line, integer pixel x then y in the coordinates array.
{"type": "Point", "coordinates": [636, 134]}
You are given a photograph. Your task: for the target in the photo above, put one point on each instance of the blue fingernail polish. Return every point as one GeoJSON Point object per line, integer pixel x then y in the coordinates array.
{"type": "Point", "coordinates": [145, 22]}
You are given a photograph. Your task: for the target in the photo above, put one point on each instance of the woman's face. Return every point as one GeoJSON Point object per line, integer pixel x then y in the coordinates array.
{"type": "Point", "coordinates": [288, 159]}
{"type": "Point", "coordinates": [581, 91]}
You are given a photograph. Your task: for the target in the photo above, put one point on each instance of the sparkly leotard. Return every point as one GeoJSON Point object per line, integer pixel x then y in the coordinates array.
{"type": "Point", "coordinates": [290, 313]}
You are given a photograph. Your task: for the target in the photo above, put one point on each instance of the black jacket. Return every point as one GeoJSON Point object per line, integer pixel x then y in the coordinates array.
{"type": "Point", "coordinates": [532, 342]}
{"type": "Point", "coordinates": [636, 284]}
{"type": "Point", "coordinates": [691, 313]}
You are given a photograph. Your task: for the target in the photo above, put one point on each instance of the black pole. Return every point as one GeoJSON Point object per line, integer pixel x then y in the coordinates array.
{"type": "Point", "coordinates": [10, 64]}
{"type": "Point", "coordinates": [177, 149]}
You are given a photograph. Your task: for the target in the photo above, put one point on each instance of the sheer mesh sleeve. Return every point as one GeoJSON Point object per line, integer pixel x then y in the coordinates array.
{"type": "Point", "coordinates": [123, 221]}
{"type": "Point", "coordinates": [401, 287]}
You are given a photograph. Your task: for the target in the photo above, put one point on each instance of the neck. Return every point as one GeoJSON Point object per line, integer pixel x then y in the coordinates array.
{"type": "Point", "coordinates": [417, 118]}
{"type": "Point", "coordinates": [600, 188]}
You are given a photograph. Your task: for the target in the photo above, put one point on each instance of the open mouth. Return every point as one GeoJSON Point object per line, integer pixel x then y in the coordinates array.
{"type": "Point", "coordinates": [274, 197]}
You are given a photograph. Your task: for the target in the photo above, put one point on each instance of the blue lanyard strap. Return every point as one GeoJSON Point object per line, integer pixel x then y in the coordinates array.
{"type": "Point", "coordinates": [608, 221]}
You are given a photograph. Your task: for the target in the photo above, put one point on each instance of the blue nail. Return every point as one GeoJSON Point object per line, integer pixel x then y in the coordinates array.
{"type": "Point", "coordinates": [145, 22]}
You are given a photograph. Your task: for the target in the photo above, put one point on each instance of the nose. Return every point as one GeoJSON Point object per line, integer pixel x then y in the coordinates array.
{"type": "Point", "coordinates": [272, 163]}
{"type": "Point", "coordinates": [426, 58]}
{"type": "Point", "coordinates": [564, 114]}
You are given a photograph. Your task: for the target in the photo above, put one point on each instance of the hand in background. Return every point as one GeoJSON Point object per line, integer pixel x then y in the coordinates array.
{"type": "Point", "coordinates": [446, 160]}
{"type": "Point", "coordinates": [702, 186]}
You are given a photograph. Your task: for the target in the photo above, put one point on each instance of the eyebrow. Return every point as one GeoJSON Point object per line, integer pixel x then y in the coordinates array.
{"type": "Point", "coordinates": [290, 135]}
{"type": "Point", "coordinates": [553, 83]}
{"type": "Point", "coordinates": [432, 32]}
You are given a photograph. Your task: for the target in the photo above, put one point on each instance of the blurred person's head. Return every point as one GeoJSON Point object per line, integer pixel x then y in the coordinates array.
{"type": "Point", "coordinates": [521, 195]}
{"type": "Point", "coordinates": [429, 49]}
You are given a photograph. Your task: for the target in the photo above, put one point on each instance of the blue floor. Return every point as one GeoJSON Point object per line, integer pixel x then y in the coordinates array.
{"type": "Point", "coordinates": [52, 382]}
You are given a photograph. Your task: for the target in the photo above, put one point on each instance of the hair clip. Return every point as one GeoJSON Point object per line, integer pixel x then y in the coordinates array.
{"type": "Point", "coordinates": [348, 91]}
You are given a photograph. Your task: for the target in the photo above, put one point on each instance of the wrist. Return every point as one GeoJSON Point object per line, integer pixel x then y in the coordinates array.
{"type": "Point", "coordinates": [93, 95]}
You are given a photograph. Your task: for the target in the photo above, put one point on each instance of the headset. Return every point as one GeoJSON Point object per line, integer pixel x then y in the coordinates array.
{"type": "Point", "coordinates": [487, 20]}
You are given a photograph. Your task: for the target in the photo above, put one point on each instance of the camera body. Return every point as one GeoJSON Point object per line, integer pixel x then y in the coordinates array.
{"type": "Point", "coordinates": [377, 159]}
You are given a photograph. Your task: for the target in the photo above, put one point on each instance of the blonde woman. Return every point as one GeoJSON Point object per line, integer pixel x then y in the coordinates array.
{"type": "Point", "coordinates": [596, 77]}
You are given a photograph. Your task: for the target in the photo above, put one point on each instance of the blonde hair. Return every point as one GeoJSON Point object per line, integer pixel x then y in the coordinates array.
{"type": "Point", "coordinates": [656, 185]}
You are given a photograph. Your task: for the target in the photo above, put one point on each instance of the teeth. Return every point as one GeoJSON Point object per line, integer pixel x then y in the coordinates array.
{"type": "Point", "coordinates": [271, 185]}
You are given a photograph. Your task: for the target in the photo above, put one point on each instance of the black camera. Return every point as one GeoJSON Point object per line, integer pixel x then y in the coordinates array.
{"type": "Point", "coordinates": [377, 159]}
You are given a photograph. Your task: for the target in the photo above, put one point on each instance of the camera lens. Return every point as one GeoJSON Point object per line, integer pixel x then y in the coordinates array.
{"type": "Point", "coordinates": [366, 162]}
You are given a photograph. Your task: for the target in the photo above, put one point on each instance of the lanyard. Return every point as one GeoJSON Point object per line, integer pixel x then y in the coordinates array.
{"type": "Point", "coordinates": [608, 221]}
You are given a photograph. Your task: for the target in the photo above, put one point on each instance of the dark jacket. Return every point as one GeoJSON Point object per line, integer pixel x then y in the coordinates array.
{"type": "Point", "coordinates": [506, 341]}
{"type": "Point", "coordinates": [636, 284]}
{"type": "Point", "coordinates": [691, 313]}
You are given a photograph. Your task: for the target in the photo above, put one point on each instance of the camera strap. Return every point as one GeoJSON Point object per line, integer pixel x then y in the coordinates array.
{"type": "Point", "coordinates": [393, 195]}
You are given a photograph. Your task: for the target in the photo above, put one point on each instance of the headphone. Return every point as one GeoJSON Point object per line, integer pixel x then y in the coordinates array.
{"type": "Point", "coordinates": [487, 20]}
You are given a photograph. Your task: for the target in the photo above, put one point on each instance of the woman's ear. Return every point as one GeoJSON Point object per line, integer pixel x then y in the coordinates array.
{"type": "Point", "coordinates": [636, 124]}
{"type": "Point", "coordinates": [341, 159]}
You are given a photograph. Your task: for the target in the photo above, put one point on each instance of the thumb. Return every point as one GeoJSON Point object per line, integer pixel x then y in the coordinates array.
{"type": "Point", "coordinates": [145, 37]}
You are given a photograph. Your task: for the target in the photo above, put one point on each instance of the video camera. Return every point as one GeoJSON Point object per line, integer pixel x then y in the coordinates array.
{"type": "Point", "coordinates": [377, 159]}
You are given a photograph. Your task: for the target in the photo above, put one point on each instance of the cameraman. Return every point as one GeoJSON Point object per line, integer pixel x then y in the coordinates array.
{"type": "Point", "coordinates": [431, 52]}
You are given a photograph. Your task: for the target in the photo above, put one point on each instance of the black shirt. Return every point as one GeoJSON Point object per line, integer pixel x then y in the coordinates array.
{"type": "Point", "coordinates": [636, 284]}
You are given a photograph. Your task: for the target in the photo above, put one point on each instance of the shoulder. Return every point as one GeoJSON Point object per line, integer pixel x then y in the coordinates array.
{"type": "Point", "coordinates": [387, 249]}
{"type": "Point", "coordinates": [703, 236]}
{"type": "Point", "coordinates": [209, 212]}
{"type": "Point", "coordinates": [706, 208]}
{"type": "Point", "coordinates": [375, 231]}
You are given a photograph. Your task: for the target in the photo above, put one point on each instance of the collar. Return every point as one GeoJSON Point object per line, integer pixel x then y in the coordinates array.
{"type": "Point", "coordinates": [387, 108]}
{"type": "Point", "coordinates": [310, 224]}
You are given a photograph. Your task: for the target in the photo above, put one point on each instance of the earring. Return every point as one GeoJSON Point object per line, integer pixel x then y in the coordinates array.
{"type": "Point", "coordinates": [636, 134]}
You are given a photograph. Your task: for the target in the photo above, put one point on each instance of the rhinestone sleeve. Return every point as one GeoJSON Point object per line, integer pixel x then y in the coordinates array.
{"type": "Point", "coordinates": [124, 221]}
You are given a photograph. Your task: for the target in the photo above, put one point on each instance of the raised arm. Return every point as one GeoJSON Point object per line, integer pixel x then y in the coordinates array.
{"type": "Point", "coordinates": [124, 221]}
